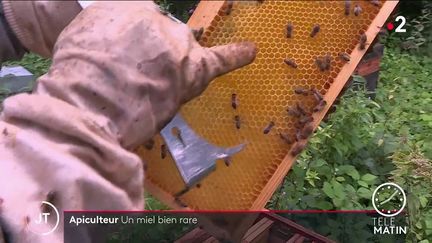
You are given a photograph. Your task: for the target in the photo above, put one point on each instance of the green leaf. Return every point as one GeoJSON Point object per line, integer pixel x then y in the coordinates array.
{"type": "Point", "coordinates": [328, 190]}
{"type": "Point", "coordinates": [354, 174]}
{"type": "Point", "coordinates": [428, 223]}
{"type": "Point", "coordinates": [364, 193]}
{"type": "Point", "coordinates": [344, 169]}
{"type": "Point", "coordinates": [337, 202]}
{"type": "Point", "coordinates": [311, 182]}
{"type": "Point", "coordinates": [363, 184]}
{"type": "Point", "coordinates": [368, 178]}
{"type": "Point", "coordinates": [423, 201]}
{"type": "Point", "coordinates": [426, 117]}
{"type": "Point", "coordinates": [324, 205]}
{"type": "Point", "coordinates": [318, 163]}
{"type": "Point", "coordinates": [338, 190]}
{"type": "Point", "coordinates": [340, 178]}
{"type": "Point", "coordinates": [380, 142]}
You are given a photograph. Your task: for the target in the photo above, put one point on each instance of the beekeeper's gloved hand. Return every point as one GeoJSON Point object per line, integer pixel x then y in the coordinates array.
{"type": "Point", "coordinates": [120, 72]}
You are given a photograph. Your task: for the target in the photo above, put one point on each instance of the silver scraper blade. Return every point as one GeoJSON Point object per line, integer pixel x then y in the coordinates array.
{"type": "Point", "coordinates": [195, 157]}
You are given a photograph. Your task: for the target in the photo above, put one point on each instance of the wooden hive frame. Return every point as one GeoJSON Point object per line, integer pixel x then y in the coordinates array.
{"type": "Point", "coordinates": [202, 17]}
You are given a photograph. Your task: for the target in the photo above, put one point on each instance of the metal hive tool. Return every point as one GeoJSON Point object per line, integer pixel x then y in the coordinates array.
{"type": "Point", "coordinates": [195, 158]}
{"type": "Point", "coordinates": [264, 89]}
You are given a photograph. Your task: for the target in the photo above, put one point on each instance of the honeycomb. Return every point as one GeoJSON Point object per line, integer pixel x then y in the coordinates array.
{"type": "Point", "coordinates": [264, 90]}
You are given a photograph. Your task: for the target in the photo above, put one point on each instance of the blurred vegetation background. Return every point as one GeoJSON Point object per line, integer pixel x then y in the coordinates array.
{"type": "Point", "coordinates": [365, 142]}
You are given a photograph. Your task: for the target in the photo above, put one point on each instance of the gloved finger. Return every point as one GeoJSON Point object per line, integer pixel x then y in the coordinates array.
{"type": "Point", "coordinates": [227, 58]}
{"type": "Point", "coordinates": [216, 61]}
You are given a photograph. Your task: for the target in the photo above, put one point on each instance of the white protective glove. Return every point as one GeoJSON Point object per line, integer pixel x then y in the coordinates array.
{"type": "Point", "coordinates": [120, 72]}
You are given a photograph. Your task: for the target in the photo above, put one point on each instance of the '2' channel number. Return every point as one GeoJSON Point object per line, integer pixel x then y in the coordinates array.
{"type": "Point", "coordinates": [400, 28]}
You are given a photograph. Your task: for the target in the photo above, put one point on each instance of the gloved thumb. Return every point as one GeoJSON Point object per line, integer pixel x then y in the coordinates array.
{"type": "Point", "coordinates": [216, 61]}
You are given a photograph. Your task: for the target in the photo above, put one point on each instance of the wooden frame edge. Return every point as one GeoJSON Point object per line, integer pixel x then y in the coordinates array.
{"type": "Point", "coordinates": [205, 13]}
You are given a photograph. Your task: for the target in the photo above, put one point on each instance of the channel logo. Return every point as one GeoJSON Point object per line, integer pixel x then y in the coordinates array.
{"type": "Point", "coordinates": [40, 223]}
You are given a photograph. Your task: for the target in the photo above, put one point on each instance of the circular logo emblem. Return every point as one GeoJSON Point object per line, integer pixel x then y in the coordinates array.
{"type": "Point", "coordinates": [40, 223]}
{"type": "Point", "coordinates": [389, 199]}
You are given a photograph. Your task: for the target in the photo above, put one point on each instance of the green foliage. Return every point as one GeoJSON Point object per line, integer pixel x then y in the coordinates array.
{"type": "Point", "coordinates": [152, 203]}
{"type": "Point", "coordinates": [34, 63]}
{"type": "Point", "coordinates": [414, 171]}
{"type": "Point", "coordinates": [353, 152]}
{"type": "Point", "coordinates": [4, 93]}
{"type": "Point", "coordinates": [180, 9]}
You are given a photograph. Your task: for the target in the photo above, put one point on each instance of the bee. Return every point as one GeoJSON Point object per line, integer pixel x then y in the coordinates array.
{"type": "Point", "coordinates": [344, 56]}
{"type": "Point", "coordinates": [234, 101]}
{"type": "Point", "coordinates": [298, 148]}
{"type": "Point", "coordinates": [237, 121]}
{"type": "Point", "coordinates": [182, 192]}
{"type": "Point", "coordinates": [376, 3]}
{"type": "Point", "coordinates": [305, 119]}
{"type": "Point", "coordinates": [290, 62]}
{"type": "Point", "coordinates": [357, 10]}
{"type": "Point", "coordinates": [289, 30]}
{"type": "Point", "coordinates": [197, 33]}
{"type": "Point", "coordinates": [347, 7]}
{"type": "Point", "coordinates": [149, 144]}
{"type": "Point", "coordinates": [229, 7]}
{"type": "Point", "coordinates": [363, 39]}
{"type": "Point", "coordinates": [383, 32]}
{"type": "Point", "coordinates": [163, 11]}
{"type": "Point", "coordinates": [327, 61]}
{"type": "Point", "coordinates": [307, 131]}
{"type": "Point", "coordinates": [269, 127]}
{"type": "Point", "coordinates": [315, 29]}
{"type": "Point", "coordinates": [286, 138]}
{"type": "Point", "coordinates": [298, 125]}
{"type": "Point", "coordinates": [50, 197]}
{"type": "Point", "coordinates": [179, 136]}
{"type": "Point", "coordinates": [317, 95]}
{"type": "Point", "coordinates": [301, 91]}
{"type": "Point", "coordinates": [293, 112]}
{"type": "Point", "coordinates": [301, 109]}
{"type": "Point", "coordinates": [227, 161]}
{"type": "Point", "coordinates": [163, 151]}
{"type": "Point", "coordinates": [180, 203]}
{"type": "Point", "coordinates": [298, 134]}
{"type": "Point", "coordinates": [321, 105]}
{"type": "Point", "coordinates": [320, 64]}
